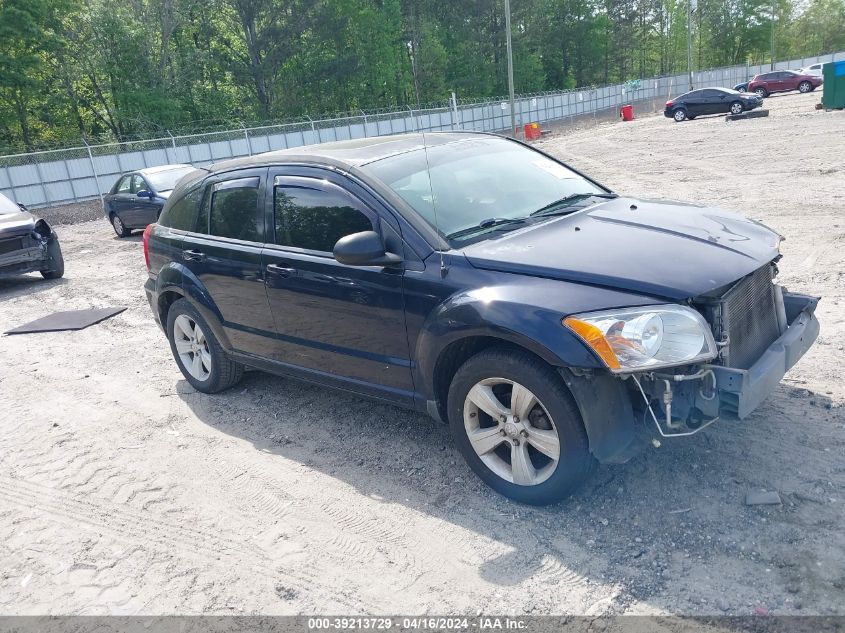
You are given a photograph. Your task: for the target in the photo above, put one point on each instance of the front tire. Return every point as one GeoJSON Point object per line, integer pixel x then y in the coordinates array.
{"type": "Point", "coordinates": [518, 427]}
{"type": "Point", "coordinates": [57, 261]}
{"type": "Point", "coordinates": [118, 226]}
{"type": "Point", "coordinates": [761, 92]}
{"type": "Point", "coordinates": [804, 87]}
{"type": "Point", "coordinates": [199, 356]}
{"type": "Point", "coordinates": [736, 107]}
{"type": "Point", "coordinates": [679, 115]}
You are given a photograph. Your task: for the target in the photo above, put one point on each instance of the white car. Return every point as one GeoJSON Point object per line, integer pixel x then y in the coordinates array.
{"type": "Point", "coordinates": [815, 70]}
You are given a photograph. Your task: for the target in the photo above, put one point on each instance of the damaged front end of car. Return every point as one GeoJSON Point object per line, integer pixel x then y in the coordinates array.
{"type": "Point", "coordinates": [29, 246]}
{"type": "Point", "coordinates": [717, 355]}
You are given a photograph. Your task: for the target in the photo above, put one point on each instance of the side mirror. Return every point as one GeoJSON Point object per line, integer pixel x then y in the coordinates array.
{"type": "Point", "coordinates": [144, 194]}
{"type": "Point", "coordinates": [364, 249]}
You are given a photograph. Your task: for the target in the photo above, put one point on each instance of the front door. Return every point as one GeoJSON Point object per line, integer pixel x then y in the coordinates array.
{"type": "Point", "coordinates": [346, 322]}
{"type": "Point", "coordinates": [143, 211]}
{"type": "Point", "coordinates": [224, 253]}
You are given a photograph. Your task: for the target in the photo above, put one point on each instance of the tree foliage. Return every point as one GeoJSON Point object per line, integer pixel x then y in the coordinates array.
{"type": "Point", "coordinates": [126, 68]}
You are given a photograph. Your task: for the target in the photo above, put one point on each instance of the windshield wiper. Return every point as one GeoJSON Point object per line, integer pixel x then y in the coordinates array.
{"type": "Point", "coordinates": [567, 201]}
{"type": "Point", "coordinates": [486, 224]}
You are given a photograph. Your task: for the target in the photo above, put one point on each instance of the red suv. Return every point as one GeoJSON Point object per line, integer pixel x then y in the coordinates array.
{"type": "Point", "coordinates": [783, 81]}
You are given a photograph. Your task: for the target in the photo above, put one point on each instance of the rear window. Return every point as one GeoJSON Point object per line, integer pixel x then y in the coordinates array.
{"type": "Point", "coordinates": [182, 213]}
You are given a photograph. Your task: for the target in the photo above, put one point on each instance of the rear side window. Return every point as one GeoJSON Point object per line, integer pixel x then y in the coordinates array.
{"type": "Point", "coordinates": [182, 214]}
{"type": "Point", "coordinates": [315, 220]}
{"type": "Point", "coordinates": [124, 185]}
{"type": "Point", "coordinates": [234, 210]}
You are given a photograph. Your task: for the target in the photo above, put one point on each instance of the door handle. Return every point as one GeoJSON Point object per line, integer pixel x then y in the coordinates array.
{"type": "Point", "coordinates": [193, 256]}
{"type": "Point", "coordinates": [281, 271]}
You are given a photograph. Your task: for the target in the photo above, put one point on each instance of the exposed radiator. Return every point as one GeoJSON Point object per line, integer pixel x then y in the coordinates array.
{"type": "Point", "coordinates": [745, 316]}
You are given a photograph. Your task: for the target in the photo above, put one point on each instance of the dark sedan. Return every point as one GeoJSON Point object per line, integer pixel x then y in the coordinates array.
{"type": "Point", "coordinates": [783, 81]}
{"type": "Point", "coordinates": [136, 199]}
{"type": "Point", "coordinates": [27, 245]}
{"type": "Point", "coordinates": [710, 101]}
{"type": "Point", "coordinates": [743, 87]}
{"type": "Point", "coordinates": [551, 322]}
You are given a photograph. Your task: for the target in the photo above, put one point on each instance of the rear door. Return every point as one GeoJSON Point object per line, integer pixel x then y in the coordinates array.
{"type": "Point", "coordinates": [224, 254]}
{"type": "Point", "coordinates": [342, 321]}
{"type": "Point", "coordinates": [119, 200]}
{"type": "Point", "coordinates": [713, 101]}
{"type": "Point", "coordinates": [694, 102]}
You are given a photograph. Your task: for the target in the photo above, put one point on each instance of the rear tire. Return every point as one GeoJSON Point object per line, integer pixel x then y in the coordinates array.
{"type": "Point", "coordinates": [118, 226]}
{"type": "Point", "coordinates": [57, 261]}
{"type": "Point", "coordinates": [679, 115]}
{"type": "Point", "coordinates": [804, 87]}
{"type": "Point", "coordinates": [502, 453]}
{"type": "Point", "coordinates": [736, 107]}
{"type": "Point", "coordinates": [199, 356]}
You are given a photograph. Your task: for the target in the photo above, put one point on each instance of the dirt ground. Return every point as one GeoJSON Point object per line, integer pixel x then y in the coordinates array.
{"type": "Point", "coordinates": [122, 491]}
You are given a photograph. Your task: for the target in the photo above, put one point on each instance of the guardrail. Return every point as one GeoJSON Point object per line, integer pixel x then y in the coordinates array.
{"type": "Point", "coordinates": [74, 174]}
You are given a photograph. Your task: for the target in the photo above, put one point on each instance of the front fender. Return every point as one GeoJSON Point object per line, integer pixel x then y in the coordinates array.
{"type": "Point", "coordinates": [178, 278]}
{"type": "Point", "coordinates": [499, 312]}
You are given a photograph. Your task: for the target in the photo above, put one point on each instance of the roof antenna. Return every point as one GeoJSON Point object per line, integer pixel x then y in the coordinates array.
{"type": "Point", "coordinates": [444, 270]}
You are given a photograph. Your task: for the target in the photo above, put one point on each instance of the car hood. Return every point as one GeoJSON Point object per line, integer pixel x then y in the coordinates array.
{"type": "Point", "coordinates": [668, 249]}
{"type": "Point", "coordinates": [16, 223]}
{"type": "Point", "coordinates": [164, 194]}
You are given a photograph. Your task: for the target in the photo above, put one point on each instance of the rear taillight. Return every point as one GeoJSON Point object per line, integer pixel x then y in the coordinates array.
{"type": "Point", "coordinates": [668, 104]}
{"type": "Point", "coordinates": [147, 232]}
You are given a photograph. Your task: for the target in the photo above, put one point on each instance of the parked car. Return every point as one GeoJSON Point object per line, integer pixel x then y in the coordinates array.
{"type": "Point", "coordinates": [710, 101]}
{"type": "Point", "coordinates": [551, 322]}
{"type": "Point", "coordinates": [26, 244]}
{"type": "Point", "coordinates": [814, 70]}
{"type": "Point", "coordinates": [137, 197]}
{"type": "Point", "coordinates": [783, 81]}
{"type": "Point", "coordinates": [743, 87]}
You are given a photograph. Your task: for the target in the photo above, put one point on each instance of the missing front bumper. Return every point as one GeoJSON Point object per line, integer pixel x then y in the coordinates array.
{"type": "Point", "coordinates": [687, 401]}
{"type": "Point", "coordinates": [742, 390]}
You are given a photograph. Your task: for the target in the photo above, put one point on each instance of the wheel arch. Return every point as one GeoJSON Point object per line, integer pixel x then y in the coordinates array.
{"type": "Point", "coordinates": [175, 281]}
{"type": "Point", "coordinates": [602, 399]}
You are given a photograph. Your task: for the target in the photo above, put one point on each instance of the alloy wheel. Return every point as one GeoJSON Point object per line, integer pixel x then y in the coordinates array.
{"type": "Point", "coordinates": [680, 115]}
{"type": "Point", "coordinates": [192, 347]}
{"type": "Point", "coordinates": [118, 225]}
{"type": "Point", "coordinates": [736, 108]}
{"type": "Point", "coordinates": [804, 86]}
{"type": "Point", "coordinates": [511, 431]}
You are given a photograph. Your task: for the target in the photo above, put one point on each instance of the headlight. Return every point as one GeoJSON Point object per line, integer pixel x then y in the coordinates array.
{"type": "Point", "coordinates": [638, 339]}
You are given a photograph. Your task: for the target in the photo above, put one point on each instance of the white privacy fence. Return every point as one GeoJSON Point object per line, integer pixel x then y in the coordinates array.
{"type": "Point", "coordinates": [74, 174]}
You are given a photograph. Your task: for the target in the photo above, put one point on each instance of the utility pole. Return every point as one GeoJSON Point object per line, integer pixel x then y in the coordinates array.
{"type": "Point", "coordinates": [510, 64]}
{"type": "Point", "coordinates": [689, 42]}
{"type": "Point", "coordinates": [773, 35]}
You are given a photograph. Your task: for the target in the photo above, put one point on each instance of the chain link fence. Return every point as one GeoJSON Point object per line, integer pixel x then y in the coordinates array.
{"type": "Point", "coordinates": [62, 176]}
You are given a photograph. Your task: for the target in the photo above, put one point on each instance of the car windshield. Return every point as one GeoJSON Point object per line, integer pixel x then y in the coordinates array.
{"type": "Point", "coordinates": [485, 182]}
{"type": "Point", "coordinates": [7, 207]}
{"type": "Point", "coordinates": [166, 180]}
{"type": "Point", "coordinates": [729, 91]}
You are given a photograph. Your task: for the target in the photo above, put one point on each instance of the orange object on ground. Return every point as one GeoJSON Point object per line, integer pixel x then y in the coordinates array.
{"type": "Point", "coordinates": [627, 113]}
{"type": "Point", "coordinates": [532, 131]}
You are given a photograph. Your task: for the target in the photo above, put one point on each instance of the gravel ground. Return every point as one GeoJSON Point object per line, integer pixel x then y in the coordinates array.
{"type": "Point", "coordinates": [122, 491]}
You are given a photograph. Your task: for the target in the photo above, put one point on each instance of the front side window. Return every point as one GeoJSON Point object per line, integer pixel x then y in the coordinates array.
{"type": "Point", "coordinates": [138, 183]}
{"type": "Point", "coordinates": [234, 210]}
{"type": "Point", "coordinates": [474, 180]}
{"type": "Point", "coordinates": [315, 219]}
{"type": "Point", "coordinates": [181, 214]}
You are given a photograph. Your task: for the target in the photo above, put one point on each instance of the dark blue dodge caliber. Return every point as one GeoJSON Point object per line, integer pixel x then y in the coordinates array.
{"type": "Point", "coordinates": [551, 322]}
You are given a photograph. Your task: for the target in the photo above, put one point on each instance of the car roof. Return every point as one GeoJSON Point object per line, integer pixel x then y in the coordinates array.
{"type": "Point", "coordinates": [350, 153]}
{"type": "Point", "coordinates": [149, 171]}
